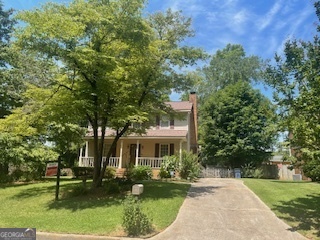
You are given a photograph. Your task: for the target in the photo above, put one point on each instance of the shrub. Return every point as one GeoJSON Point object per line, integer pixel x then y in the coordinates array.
{"type": "Point", "coordinates": [110, 173]}
{"type": "Point", "coordinates": [135, 222]}
{"type": "Point", "coordinates": [129, 172]}
{"type": "Point", "coordinates": [311, 169]}
{"type": "Point", "coordinates": [258, 173]}
{"type": "Point", "coordinates": [189, 167]}
{"type": "Point", "coordinates": [141, 173]}
{"type": "Point", "coordinates": [170, 163]}
{"type": "Point", "coordinates": [164, 173]}
{"type": "Point", "coordinates": [82, 171]}
{"type": "Point", "coordinates": [249, 171]}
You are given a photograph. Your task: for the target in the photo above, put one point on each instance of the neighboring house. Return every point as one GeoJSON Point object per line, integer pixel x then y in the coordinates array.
{"type": "Point", "coordinates": [167, 137]}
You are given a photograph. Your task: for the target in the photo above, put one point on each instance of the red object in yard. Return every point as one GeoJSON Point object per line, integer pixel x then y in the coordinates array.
{"type": "Point", "coordinates": [52, 169]}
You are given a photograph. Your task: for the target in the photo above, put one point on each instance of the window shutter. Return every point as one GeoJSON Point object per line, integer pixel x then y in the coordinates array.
{"type": "Point", "coordinates": [171, 149]}
{"type": "Point", "coordinates": [114, 151]}
{"type": "Point", "coordinates": [172, 124]}
{"type": "Point", "coordinates": [157, 121]}
{"type": "Point", "coordinates": [156, 150]}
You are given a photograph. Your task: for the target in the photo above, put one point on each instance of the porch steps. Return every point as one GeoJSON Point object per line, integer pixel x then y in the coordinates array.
{"type": "Point", "coordinates": [120, 172]}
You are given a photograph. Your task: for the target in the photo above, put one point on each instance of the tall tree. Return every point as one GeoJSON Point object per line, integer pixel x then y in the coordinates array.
{"type": "Point", "coordinates": [227, 66]}
{"type": "Point", "coordinates": [295, 78]}
{"type": "Point", "coordinates": [115, 65]}
{"type": "Point", "coordinates": [7, 99]}
{"type": "Point", "coordinates": [238, 126]}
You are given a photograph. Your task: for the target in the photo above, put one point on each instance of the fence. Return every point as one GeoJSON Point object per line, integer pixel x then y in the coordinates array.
{"type": "Point", "coordinates": [213, 172]}
{"type": "Point", "coordinates": [279, 171]}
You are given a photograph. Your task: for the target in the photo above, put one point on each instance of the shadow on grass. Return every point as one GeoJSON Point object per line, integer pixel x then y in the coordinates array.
{"type": "Point", "coordinates": [304, 211]}
{"type": "Point", "coordinates": [37, 191]}
{"type": "Point", "coordinates": [291, 182]}
{"type": "Point", "coordinates": [84, 202]}
{"type": "Point", "coordinates": [94, 199]}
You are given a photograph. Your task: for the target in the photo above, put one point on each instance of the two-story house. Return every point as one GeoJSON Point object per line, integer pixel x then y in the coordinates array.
{"type": "Point", "coordinates": [169, 136]}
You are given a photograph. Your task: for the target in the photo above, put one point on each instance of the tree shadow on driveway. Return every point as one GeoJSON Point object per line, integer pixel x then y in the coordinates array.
{"type": "Point", "coordinates": [201, 191]}
{"type": "Point", "coordinates": [304, 212]}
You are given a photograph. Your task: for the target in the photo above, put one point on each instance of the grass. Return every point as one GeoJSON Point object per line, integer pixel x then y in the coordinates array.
{"type": "Point", "coordinates": [297, 203]}
{"type": "Point", "coordinates": [33, 205]}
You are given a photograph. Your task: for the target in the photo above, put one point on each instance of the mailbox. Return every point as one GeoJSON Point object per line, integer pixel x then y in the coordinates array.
{"type": "Point", "coordinates": [137, 189]}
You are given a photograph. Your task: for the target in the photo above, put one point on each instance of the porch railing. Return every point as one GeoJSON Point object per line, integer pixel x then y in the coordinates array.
{"type": "Point", "coordinates": [150, 161]}
{"type": "Point", "coordinates": [113, 161]}
{"type": "Point", "coordinates": [86, 162]}
{"type": "Point", "coordinates": [89, 161]}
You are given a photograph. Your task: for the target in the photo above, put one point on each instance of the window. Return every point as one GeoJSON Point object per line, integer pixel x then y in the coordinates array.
{"type": "Point", "coordinates": [164, 123]}
{"type": "Point", "coordinates": [136, 125]}
{"type": "Point", "coordinates": [164, 150]}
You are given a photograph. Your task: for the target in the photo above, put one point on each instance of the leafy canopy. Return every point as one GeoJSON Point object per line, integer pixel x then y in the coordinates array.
{"type": "Point", "coordinates": [113, 64]}
{"type": "Point", "coordinates": [295, 78]}
{"type": "Point", "coordinates": [237, 126]}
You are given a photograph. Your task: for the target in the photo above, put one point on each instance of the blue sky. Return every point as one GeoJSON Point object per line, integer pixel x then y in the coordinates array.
{"type": "Point", "coordinates": [260, 26]}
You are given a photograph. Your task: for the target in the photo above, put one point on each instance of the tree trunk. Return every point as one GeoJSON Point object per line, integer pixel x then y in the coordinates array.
{"type": "Point", "coordinates": [58, 179]}
{"type": "Point", "coordinates": [113, 146]}
{"type": "Point", "coordinates": [97, 158]}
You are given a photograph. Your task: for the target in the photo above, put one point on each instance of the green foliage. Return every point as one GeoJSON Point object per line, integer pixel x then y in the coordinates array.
{"type": "Point", "coordinates": [135, 222]}
{"type": "Point", "coordinates": [250, 171]}
{"type": "Point", "coordinates": [82, 172]}
{"type": "Point", "coordinates": [141, 173]}
{"type": "Point", "coordinates": [27, 156]}
{"type": "Point", "coordinates": [312, 170]}
{"type": "Point", "coordinates": [189, 167]}
{"type": "Point", "coordinates": [7, 97]}
{"type": "Point", "coordinates": [110, 173]}
{"type": "Point", "coordinates": [78, 191]}
{"type": "Point", "coordinates": [169, 164]}
{"type": "Point", "coordinates": [227, 66]}
{"type": "Point", "coordinates": [109, 59]}
{"type": "Point", "coordinates": [311, 163]}
{"type": "Point", "coordinates": [238, 126]}
{"type": "Point", "coordinates": [111, 187]}
{"type": "Point", "coordinates": [295, 79]}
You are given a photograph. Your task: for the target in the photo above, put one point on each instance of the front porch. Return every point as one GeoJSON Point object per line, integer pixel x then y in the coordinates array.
{"type": "Point", "coordinates": [136, 152]}
{"type": "Point", "coordinates": [116, 162]}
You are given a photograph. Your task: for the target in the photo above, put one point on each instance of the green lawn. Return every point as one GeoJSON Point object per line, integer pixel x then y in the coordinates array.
{"type": "Point", "coordinates": [297, 203]}
{"type": "Point", "coordinates": [33, 205]}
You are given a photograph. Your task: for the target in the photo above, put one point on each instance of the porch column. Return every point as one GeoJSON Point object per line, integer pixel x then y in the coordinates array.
{"type": "Point", "coordinates": [80, 156]}
{"type": "Point", "coordinates": [120, 158]}
{"type": "Point", "coordinates": [189, 128]}
{"type": "Point", "coordinates": [87, 149]}
{"type": "Point", "coordinates": [137, 153]}
{"type": "Point", "coordinates": [180, 150]}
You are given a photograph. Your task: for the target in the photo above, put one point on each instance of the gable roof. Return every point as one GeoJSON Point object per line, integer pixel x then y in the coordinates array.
{"type": "Point", "coordinates": [180, 106]}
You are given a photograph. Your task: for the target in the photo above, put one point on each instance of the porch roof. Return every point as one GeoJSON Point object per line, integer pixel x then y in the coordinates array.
{"type": "Point", "coordinates": [150, 133]}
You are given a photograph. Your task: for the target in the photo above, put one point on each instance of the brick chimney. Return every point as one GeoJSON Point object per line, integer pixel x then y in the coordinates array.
{"type": "Point", "coordinates": [193, 100]}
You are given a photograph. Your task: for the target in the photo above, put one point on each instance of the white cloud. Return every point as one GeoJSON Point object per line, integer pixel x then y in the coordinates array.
{"type": "Point", "coordinates": [266, 20]}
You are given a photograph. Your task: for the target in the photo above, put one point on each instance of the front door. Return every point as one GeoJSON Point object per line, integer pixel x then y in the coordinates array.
{"type": "Point", "coordinates": [133, 153]}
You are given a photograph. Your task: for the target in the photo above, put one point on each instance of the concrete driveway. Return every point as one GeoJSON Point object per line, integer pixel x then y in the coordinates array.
{"type": "Point", "coordinates": [215, 209]}
{"type": "Point", "coordinates": [225, 209]}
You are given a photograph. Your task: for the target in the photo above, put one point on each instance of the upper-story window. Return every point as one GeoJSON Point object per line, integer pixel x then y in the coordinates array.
{"type": "Point", "coordinates": [164, 122]}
